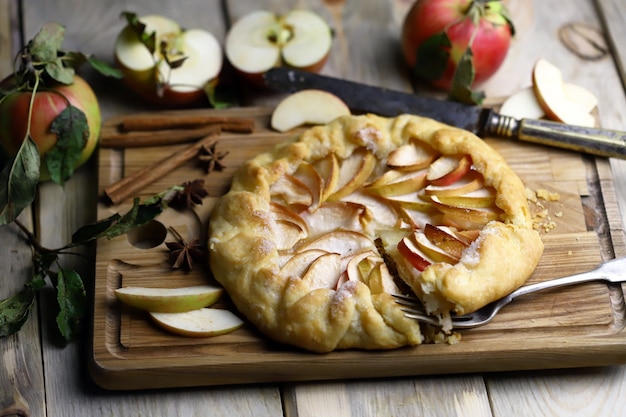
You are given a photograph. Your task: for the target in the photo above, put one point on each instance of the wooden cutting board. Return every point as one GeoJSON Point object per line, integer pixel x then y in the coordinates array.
{"type": "Point", "coordinates": [570, 327]}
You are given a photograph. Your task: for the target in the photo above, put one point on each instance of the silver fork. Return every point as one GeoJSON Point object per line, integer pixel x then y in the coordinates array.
{"type": "Point", "coordinates": [610, 271]}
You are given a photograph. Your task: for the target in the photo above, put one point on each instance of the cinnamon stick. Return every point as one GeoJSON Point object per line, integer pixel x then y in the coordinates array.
{"type": "Point", "coordinates": [132, 184]}
{"type": "Point", "coordinates": [158, 138]}
{"type": "Point", "coordinates": [155, 121]}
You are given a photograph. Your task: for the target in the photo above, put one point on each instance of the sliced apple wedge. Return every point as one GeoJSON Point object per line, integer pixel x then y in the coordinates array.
{"type": "Point", "coordinates": [297, 264]}
{"type": "Point", "coordinates": [355, 270]}
{"type": "Point", "coordinates": [381, 212]}
{"type": "Point", "coordinates": [291, 191]}
{"type": "Point", "coordinates": [446, 240]}
{"type": "Point", "coordinates": [433, 251]}
{"type": "Point", "coordinates": [287, 234]}
{"type": "Point", "coordinates": [337, 215]}
{"type": "Point", "coordinates": [307, 107]}
{"type": "Point", "coordinates": [550, 92]}
{"type": "Point", "coordinates": [324, 272]}
{"type": "Point", "coordinates": [204, 322]}
{"type": "Point", "coordinates": [447, 169]}
{"type": "Point", "coordinates": [169, 300]}
{"type": "Point", "coordinates": [410, 157]}
{"type": "Point", "coordinates": [416, 257]}
{"type": "Point", "coordinates": [394, 183]}
{"type": "Point", "coordinates": [282, 213]}
{"type": "Point", "coordinates": [481, 198]}
{"type": "Point", "coordinates": [472, 181]}
{"type": "Point", "coordinates": [309, 176]}
{"type": "Point", "coordinates": [381, 281]}
{"type": "Point", "coordinates": [353, 173]}
{"type": "Point", "coordinates": [328, 169]}
{"type": "Point", "coordinates": [343, 242]}
{"type": "Point", "coordinates": [465, 218]}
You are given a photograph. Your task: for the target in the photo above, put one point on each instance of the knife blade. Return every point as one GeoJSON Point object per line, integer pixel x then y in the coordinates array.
{"type": "Point", "coordinates": [484, 122]}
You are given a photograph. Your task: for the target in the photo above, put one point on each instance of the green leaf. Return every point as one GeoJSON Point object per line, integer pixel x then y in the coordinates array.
{"type": "Point", "coordinates": [72, 300]}
{"type": "Point", "coordinates": [432, 57]}
{"type": "Point", "coordinates": [46, 44]}
{"type": "Point", "coordinates": [56, 70]}
{"type": "Point", "coordinates": [14, 311]}
{"type": "Point", "coordinates": [42, 263]}
{"type": "Point", "coordinates": [72, 132]}
{"type": "Point", "coordinates": [95, 230]}
{"type": "Point", "coordinates": [138, 215]}
{"type": "Point", "coordinates": [18, 181]}
{"type": "Point", "coordinates": [104, 68]}
{"type": "Point", "coordinates": [461, 88]}
{"type": "Point", "coordinates": [147, 39]}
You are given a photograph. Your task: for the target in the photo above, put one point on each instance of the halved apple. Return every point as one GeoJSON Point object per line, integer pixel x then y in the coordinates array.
{"type": "Point", "coordinates": [169, 300]}
{"type": "Point", "coordinates": [353, 173]}
{"type": "Point", "coordinates": [262, 40]}
{"type": "Point", "coordinates": [548, 87]}
{"type": "Point", "coordinates": [448, 169]}
{"type": "Point", "coordinates": [446, 240]}
{"type": "Point", "coordinates": [416, 257]}
{"type": "Point", "coordinates": [307, 107]}
{"type": "Point", "coordinates": [204, 322]}
{"type": "Point", "coordinates": [180, 67]}
{"type": "Point", "coordinates": [412, 156]}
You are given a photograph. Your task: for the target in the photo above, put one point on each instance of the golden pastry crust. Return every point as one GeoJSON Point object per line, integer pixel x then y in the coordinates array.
{"type": "Point", "coordinates": [268, 218]}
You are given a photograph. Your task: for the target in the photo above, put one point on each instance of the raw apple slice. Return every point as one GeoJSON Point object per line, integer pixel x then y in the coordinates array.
{"type": "Point", "coordinates": [337, 215]}
{"type": "Point", "coordinates": [169, 300]}
{"type": "Point", "coordinates": [582, 97]}
{"type": "Point", "coordinates": [409, 250]}
{"type": "Point", "coordinates": [549, 90]}
{"type": "Point", "coordinates": [204, 322]}
{"type": "Point", "coordinates": [324, 271]}
{"type": "Point", "coordinates": [445, 240]}
{"type": "Point", "coordinates": [472, 181]}
{"type": "Point", "coordinates": [447, 169]}
{"type": "Point", "coordinates": [307, 107]}
{"type": "Point", "coordinates": [353, 173]}
{"type": "Point", "coordinates": [343, 242]}
{"type": "Point", "coordinates": [177, 71]}
{"type": "Point", "coordinates": [410, 157]}
{"type": "Point", "coordinates": [481, 198]}
{"type": "Point", "coordinates": [523, 104]}
{"type": "Point", "coordinates": [262, 40]}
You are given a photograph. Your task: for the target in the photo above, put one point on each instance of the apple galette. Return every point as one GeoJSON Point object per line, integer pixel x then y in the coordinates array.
{"type": "Point", "coordinates": [314, 237]}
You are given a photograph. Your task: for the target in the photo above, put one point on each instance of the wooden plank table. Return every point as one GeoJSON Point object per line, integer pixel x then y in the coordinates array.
{"type": "Point", "coordinates": [40, 377]}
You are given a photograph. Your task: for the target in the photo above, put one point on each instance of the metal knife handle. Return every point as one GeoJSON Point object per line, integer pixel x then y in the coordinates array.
{"type": "Point", "coordinates": [595, 141]}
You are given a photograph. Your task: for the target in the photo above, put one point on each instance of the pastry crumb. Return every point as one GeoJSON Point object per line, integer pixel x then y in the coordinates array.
{"type": "Point", "coordinates": [542, 219]}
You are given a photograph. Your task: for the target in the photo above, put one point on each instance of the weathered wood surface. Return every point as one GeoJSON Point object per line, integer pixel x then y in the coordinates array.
{"type": "Point", "coordinates": [45, 379]}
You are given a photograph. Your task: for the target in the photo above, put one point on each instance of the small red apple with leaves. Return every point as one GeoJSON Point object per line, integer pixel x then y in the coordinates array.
{"type": "Point", "coordinates": [456, 45]}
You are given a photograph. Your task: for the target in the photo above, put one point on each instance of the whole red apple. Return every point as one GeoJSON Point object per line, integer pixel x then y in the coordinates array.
{"type": "Point", "coordinates": [437, 35]}
{"type": "Point", "coordinates": [47, 105]}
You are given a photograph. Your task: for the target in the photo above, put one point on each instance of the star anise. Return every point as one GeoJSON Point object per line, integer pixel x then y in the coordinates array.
{"type": "Point", "coordinates": [183, 254]}
{"type": "Point", "coordinates": [192, 193]}
{"type": "Point", "coordinates": [211, 159]}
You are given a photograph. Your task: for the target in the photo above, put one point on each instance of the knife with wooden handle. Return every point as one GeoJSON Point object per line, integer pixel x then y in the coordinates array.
{"type": "Point", "coordinates": [484, 122]}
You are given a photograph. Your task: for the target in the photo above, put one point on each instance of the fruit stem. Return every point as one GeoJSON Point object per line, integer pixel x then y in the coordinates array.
{"type": "Point", "coordinates": [31, 105]}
